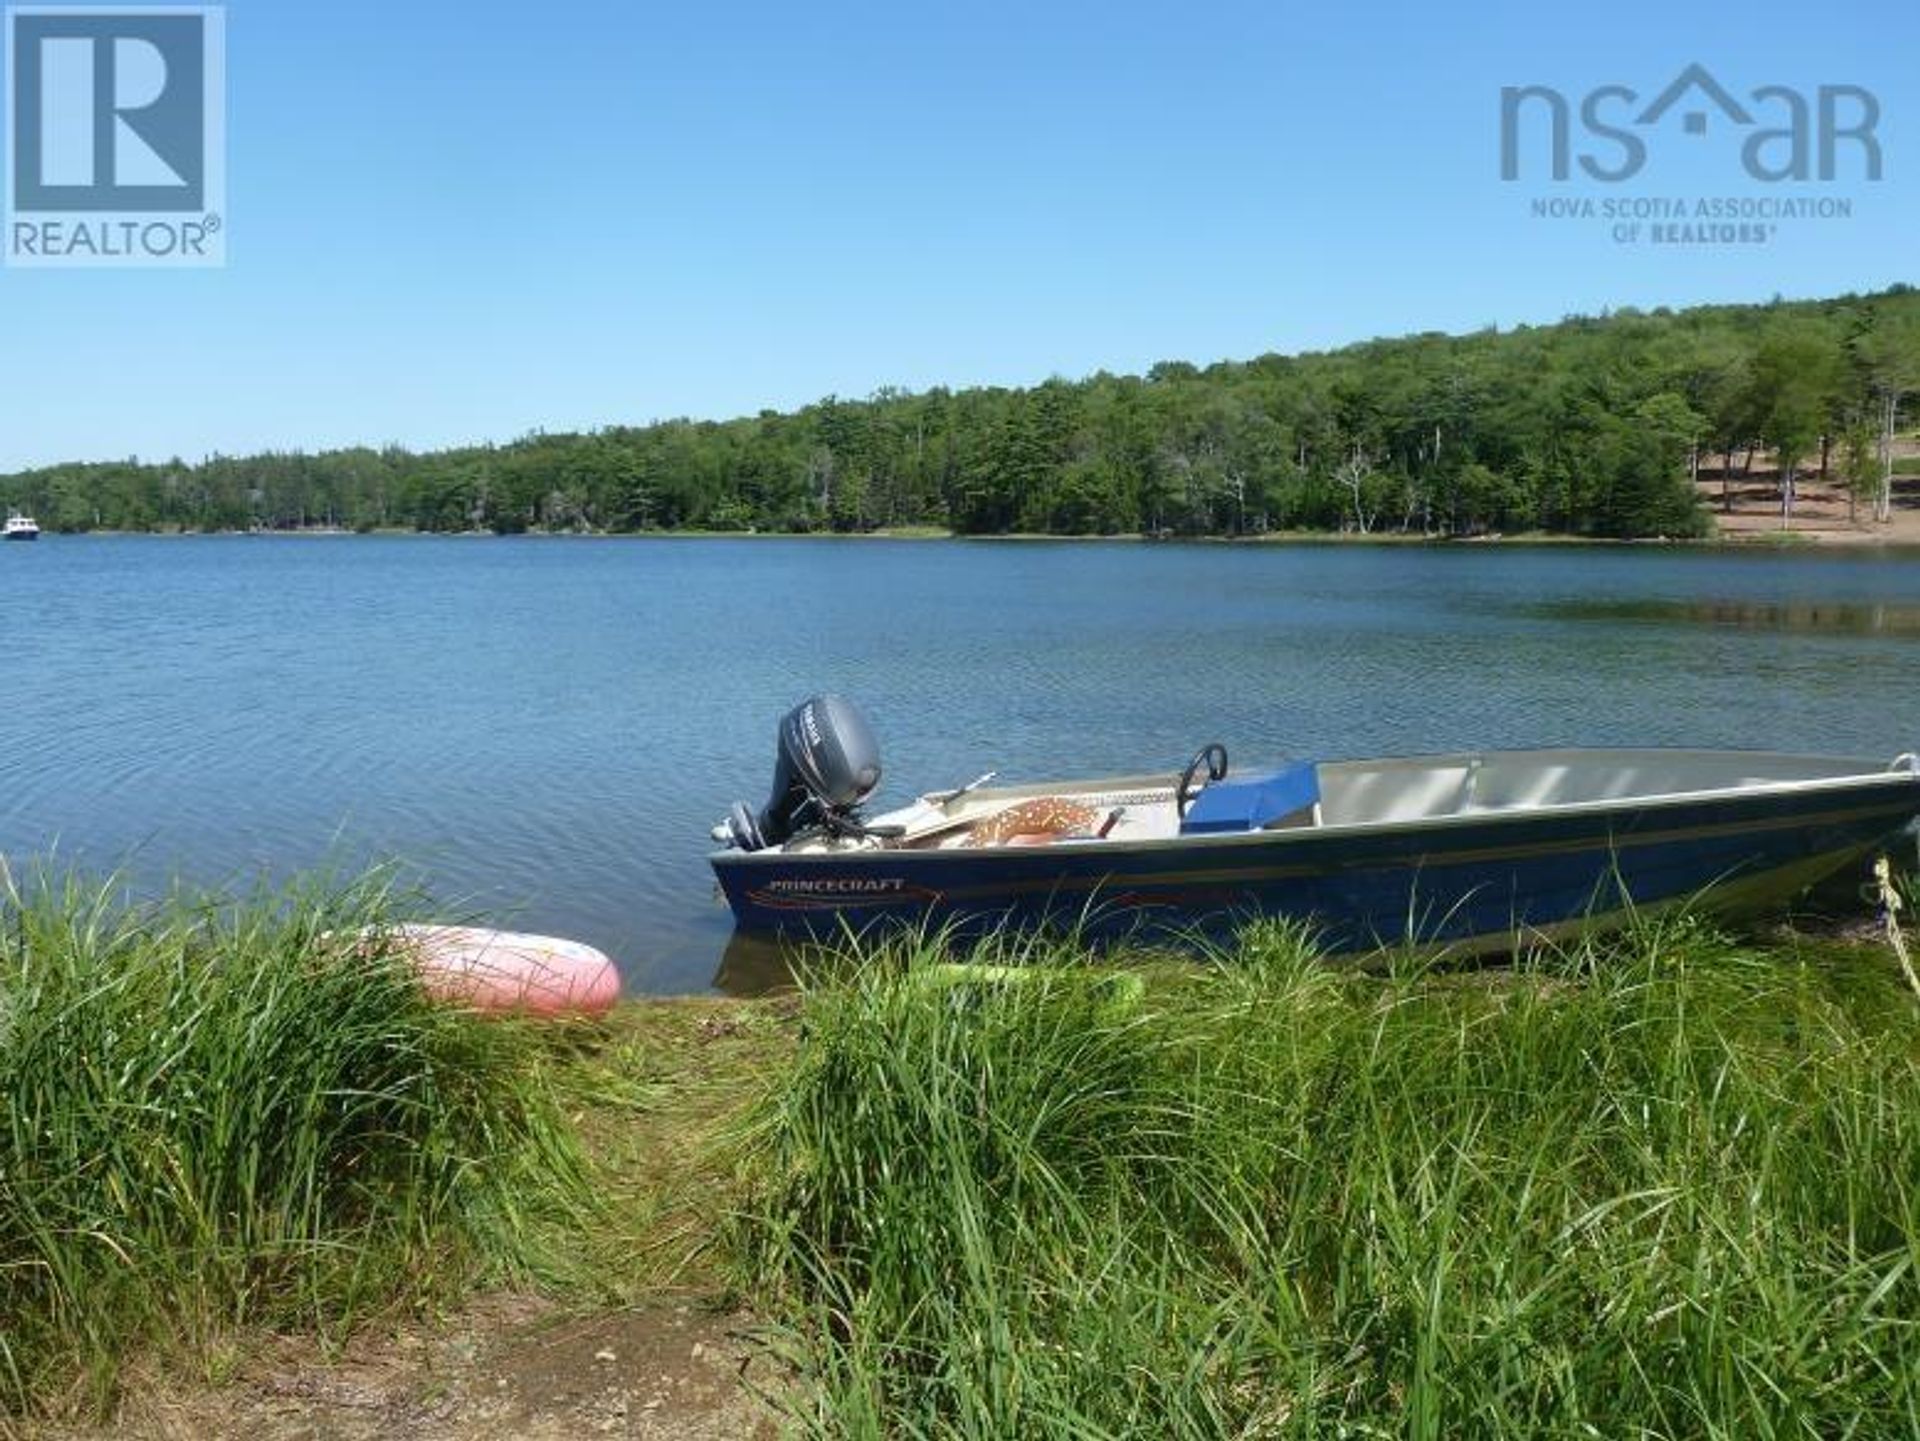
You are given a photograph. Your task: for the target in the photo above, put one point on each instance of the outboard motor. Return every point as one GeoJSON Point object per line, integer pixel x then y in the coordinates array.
{"type": "Point", "coordinates": [828, 763]}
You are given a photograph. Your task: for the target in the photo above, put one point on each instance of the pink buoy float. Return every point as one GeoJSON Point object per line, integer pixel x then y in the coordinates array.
{"type": "Point", "coordinates": [507, 972]}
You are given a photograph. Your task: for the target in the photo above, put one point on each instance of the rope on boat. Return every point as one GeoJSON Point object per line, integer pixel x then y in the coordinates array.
{"type": "Point", "coordinates": [1890, 907]}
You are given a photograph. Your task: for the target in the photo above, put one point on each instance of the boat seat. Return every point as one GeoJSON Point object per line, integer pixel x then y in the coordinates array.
{"type": "Point", "coordinates": [1260, 801]}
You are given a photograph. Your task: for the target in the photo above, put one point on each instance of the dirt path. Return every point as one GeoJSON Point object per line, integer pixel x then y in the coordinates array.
{"type": "Point", "coordinates": [1748, 507]}
{"type": "Point", "coordinates": [504, 1368]}
{"type": "Point", "coordinates": [652, 1349]}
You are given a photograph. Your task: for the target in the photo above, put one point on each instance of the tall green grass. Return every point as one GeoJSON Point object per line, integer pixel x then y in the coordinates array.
{"type": "Point", "coordinates": [222, 1113]}
{"type": "Point", "coordinates": [1667, 1184]}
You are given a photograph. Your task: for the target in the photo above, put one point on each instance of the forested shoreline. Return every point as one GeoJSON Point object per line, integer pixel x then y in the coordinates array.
{"type": "Point", "coordinates": [1595, 426]}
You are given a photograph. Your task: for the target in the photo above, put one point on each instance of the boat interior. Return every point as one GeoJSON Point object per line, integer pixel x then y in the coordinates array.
{"type": "Point", "coordinates": [1303, 795]}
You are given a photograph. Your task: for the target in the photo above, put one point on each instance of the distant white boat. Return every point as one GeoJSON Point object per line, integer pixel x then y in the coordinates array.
{"type": "Point", "coordinates": [21, 527]}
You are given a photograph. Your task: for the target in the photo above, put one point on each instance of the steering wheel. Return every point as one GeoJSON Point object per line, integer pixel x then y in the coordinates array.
{"type": "Point", "coordinates": [1214, 757]}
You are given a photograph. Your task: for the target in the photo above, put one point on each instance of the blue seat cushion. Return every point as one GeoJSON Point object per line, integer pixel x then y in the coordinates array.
{"type": "Point", "coordinates": [1252, 802]}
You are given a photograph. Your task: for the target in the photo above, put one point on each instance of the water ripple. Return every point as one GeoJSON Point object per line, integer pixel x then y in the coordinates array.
{"type": "Point", "coordinates": [545, 730]}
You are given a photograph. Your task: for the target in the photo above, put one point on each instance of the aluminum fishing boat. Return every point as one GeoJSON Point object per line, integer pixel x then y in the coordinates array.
{"type": "Point", "coordinates": [1482, 851]}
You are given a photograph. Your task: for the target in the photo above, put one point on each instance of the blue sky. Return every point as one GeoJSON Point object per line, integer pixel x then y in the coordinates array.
{"type": "Point", "coordinates": [460, 221]}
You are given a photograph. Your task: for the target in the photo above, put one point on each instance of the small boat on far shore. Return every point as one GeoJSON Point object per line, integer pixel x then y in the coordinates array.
{"type": "Point", "coordinates": [21, 527]}
{"type": "Point", "coordinates": [1485, 851]}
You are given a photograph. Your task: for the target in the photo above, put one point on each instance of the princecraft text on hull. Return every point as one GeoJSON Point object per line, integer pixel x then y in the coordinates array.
{"type": "Point", "coordinates": [1482, 849]}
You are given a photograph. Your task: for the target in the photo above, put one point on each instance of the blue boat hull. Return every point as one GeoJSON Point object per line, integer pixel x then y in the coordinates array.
{"type": "Point", "coordinates": [1483, 879]}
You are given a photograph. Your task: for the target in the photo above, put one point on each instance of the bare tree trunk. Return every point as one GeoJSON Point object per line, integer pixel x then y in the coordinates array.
{"type": "Point", "coordinates": [1826, 445]}
{"type": "Point", "coordinates": [1883, 503]}
{"type": "Point", "coordinates": [1726, 482]}
{"type": "Point", "coordinates": [1353, 475]}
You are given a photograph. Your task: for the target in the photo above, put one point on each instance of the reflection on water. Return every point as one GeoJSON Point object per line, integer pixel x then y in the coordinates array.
{"type": "Point", "coordinates": [759, 965]}
{"type": "Point", "coordinates": [1840, 618]}
{"type": "Point", "coordinates": [755, 966]}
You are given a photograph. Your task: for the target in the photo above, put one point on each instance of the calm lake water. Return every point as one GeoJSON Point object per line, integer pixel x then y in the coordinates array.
{"type": "Point", "coordinates": [544, 730]}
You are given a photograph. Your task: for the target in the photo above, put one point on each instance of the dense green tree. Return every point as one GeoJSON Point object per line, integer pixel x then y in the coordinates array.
{"type": "Point", "coordinates": [1599, 425]}
{"type": "Point", "coordinates": [1796, 376]}
{"type": "Point", "coordinates": [1889, 352]}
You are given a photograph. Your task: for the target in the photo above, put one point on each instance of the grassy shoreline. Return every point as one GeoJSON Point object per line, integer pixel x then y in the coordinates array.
{"type": "Point", "coordinates": [228, 1114]}
{"type": "Point", "coordinates": [1722, 540]}
{"type": "Point", "coordinates": [1667, 1183]}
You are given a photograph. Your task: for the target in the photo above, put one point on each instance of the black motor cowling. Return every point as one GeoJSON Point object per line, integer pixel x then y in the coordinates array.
{"type": "Point", "coordinates": [828, 763]}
